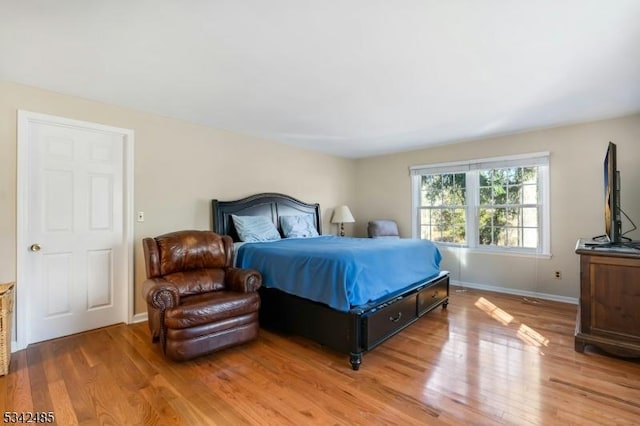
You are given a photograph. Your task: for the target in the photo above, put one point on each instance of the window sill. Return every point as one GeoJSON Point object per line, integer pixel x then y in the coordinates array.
{"type": "Point", "coordinates": [499, 252]}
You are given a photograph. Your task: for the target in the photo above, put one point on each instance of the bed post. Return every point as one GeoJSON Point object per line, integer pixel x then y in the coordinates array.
{"type": "Point", "coordinates": [355, 355]}
{"type": "Point", "coordinates": [355, 360]}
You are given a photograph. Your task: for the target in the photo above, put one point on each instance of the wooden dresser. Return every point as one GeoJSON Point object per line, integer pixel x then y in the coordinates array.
{"type": "Point", "coordinates": [609, 310]}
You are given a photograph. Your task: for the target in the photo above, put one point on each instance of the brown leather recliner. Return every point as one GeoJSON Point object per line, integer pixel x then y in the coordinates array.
{"type": "Point", "coordinates": [197, 301]}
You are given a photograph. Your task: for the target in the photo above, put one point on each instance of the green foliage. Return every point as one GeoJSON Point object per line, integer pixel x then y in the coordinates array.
{"type": "Point", "coordinates": [445, 219]}
{"type": "Point", "coordinates": [507, 206]}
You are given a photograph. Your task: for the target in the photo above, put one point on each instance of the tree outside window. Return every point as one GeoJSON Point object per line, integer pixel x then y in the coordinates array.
{"type": "Point", "coordinates": [443, 212]}
{"type": "Point", "coordinates": [508, 207]}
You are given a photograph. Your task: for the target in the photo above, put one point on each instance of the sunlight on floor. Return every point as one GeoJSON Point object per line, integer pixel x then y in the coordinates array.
{"type": "Point", "coordinates": [532, 337]}
{"type": "Point", "coordinates": [525, 333]}
{"type": "Point", "coordinates": [493, 311]}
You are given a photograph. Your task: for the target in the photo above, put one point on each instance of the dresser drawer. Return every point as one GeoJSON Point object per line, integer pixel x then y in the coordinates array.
{"type": "Point", "coordinates": [430, 297]}
{"type": "Point", "coordinates": [384, 322]}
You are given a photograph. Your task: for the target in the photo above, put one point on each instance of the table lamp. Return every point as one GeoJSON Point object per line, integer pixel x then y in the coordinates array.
{"type": "Point", "coordinates": [342, 215]}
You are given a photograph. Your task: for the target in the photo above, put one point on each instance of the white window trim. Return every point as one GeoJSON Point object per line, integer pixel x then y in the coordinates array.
{"type": "Point", "coordinates": [541, 159]}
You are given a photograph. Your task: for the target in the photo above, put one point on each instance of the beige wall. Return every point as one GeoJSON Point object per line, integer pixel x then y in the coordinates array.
{"type": "Point", "coordinates": [179, 167]}
{"type": "Point", "coordinates": [576, 198]}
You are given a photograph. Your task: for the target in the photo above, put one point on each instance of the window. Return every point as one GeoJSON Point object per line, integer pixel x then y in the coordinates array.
{"type": "Point", "coordinates": [443, 209]}
{"type": "Point", "coordinates": [498, 204]}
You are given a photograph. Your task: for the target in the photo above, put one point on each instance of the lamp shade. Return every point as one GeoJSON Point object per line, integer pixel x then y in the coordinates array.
{"type": "Point", "coordinates": [342, 214]}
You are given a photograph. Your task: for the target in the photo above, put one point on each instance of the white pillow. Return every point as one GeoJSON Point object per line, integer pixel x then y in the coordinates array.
{"type": "Point", "coordinates": [298, 226]}
{"type": "Point", "coordinates": [255, 228]}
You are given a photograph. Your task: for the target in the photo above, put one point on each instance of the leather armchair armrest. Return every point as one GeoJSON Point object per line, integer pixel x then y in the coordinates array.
{"type": "Point", "coordinates": [160, 293]}
{"type": "Point", "coordinates": [243, 280]}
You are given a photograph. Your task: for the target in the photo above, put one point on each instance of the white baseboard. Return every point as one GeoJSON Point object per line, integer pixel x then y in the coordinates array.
{"type": "Point", "coordinates": [532, 294]}
{"type": "Point", "coordinates": [139, 318]}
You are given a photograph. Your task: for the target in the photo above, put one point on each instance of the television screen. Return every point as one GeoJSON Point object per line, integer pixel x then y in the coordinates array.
{"type": "Point", "coordinates": [612, 220]}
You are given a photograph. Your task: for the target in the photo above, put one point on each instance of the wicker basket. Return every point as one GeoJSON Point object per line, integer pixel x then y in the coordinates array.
{"type": "Point", "coordinates": [6, 317]}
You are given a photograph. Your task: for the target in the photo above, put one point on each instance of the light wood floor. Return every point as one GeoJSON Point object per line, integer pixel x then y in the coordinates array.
{"type": "Point", "coordinates": [487, 359]}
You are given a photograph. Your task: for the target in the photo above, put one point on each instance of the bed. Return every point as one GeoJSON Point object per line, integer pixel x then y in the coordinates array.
{"type": "Point", "coordinates": [352, 326]}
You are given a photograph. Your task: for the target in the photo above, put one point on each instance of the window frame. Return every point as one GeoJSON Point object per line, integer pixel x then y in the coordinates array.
{"type": "Point", "coordinates": [472, 168]}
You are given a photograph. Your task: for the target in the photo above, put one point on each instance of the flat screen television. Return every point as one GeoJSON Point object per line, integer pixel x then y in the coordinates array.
{"type": "Point", "coordinates": [612, 212]}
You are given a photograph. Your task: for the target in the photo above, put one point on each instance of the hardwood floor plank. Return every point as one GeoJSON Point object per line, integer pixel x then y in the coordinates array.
{"type": "Point", "coordinates": [62, 406]}
{"type": "Point", "coordinates": [489, 359]}
{"type": "Point", "coordinates": [77, 375]}
{"type": "Point", "coordinates": [38, 380]}
{"type": "Point", "coordinates": [158, 396]}
{"type": "Point", "coordinates": [15, 388]}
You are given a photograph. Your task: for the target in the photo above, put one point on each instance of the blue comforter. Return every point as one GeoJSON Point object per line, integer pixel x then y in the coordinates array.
{"type": "Point", "coordinates": [341, 272]}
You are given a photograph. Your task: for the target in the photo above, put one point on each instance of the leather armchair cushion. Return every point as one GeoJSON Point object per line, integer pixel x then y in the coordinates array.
{"type": "Point", "coordinates": [210, 307]}
{"type": "Point", "coordinates": [212, 328]}
{"type": "Point", "coordinates": [183, 349]}
{"type": "Point", "coordinates": [180, 251]}
{"type": "Point", "coordinates": [197, 281]}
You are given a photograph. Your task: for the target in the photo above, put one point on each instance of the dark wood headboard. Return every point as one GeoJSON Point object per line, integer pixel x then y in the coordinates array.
{"type": "Point", "coordinates": [270, 204]}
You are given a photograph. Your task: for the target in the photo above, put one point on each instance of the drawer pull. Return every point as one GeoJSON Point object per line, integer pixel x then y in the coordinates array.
{"type": "Point", "coordinates": [435, 294]}
{"type": "Point", "coordinates": [396, 318]}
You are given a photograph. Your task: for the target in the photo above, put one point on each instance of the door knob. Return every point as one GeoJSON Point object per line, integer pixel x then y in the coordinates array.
{"type": "Point", "coordinates": [35, 247]}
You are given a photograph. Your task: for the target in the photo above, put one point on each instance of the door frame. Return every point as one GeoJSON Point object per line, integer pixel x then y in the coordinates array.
{"type": "Point", "coordinates": [23, 287]}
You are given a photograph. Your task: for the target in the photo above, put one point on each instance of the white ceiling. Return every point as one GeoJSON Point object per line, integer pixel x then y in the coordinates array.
{"type": "Point", "coordinates": [349, 77]}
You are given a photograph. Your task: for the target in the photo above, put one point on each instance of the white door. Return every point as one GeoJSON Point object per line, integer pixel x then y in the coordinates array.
{"type": "Point", "coordinates": [75, 257]}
